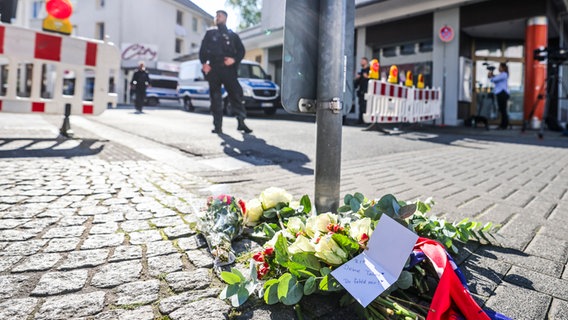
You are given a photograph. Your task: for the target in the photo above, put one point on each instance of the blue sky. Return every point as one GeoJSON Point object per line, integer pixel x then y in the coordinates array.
{"type": "Point", "coordinates": [211, 6]}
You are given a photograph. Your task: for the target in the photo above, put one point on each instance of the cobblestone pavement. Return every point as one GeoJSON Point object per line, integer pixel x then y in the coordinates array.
{"type": "Point", "coordinates": [93, 229]}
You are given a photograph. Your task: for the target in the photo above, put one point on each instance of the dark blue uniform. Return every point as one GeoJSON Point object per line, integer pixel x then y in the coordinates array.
{"type": "Point", "coordinates": [219, 43]}
{"type": "Point", "coordinates": [140, 81]}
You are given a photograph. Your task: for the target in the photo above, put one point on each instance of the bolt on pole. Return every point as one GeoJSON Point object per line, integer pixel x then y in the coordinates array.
{"type": "Point", "coordinates": [330, 91]}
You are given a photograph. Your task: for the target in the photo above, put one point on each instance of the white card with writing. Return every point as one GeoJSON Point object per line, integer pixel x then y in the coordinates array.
{"type": "Point", "coordinates": [370, 273]}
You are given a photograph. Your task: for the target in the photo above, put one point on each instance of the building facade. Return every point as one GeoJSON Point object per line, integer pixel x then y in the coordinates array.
{"type": "Point", "coordinates": [451, 42]}
{"type": "Point", "coordinates": [154, 31]}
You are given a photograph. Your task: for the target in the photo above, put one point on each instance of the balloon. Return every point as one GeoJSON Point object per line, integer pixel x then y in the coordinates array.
{"type": "Point", "coordinates": [60, 9]}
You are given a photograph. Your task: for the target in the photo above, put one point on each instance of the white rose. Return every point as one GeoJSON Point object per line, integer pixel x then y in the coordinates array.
{"type": "Point", "coordinates": [360, 227]}
{"type": "Point", "coordinates": [273, 196]}
{"type": "Point", "coordinates": [302, 244]}
{"type": "Point", "coordinates": [295, 225]}
{"type": "Point", "coordinates": [254, 212]}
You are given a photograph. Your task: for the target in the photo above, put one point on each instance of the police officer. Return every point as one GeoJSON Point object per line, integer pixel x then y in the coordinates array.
{"type": "Point", "coordinates": [220, 54]}
{"type": "Point", "coordinates": [140, 81]}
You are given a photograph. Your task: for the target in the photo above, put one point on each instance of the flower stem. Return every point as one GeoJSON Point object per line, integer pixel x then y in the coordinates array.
{"type": "Point", "coordinates": [298, 310]}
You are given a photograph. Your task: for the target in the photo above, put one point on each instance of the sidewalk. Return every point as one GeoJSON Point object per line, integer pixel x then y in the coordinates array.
{"type": "Point", "coordinates": [93, 228]}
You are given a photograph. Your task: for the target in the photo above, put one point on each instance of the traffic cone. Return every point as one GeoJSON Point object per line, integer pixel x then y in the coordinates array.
{"type": "Point", "coordinates": [409, 82]}
{"type": "Point", "coordinates": [420, 84]}
{"type": "Point", "coordinates": [393, 74]}
{"type": "Point", "coordinates": [374, 69]}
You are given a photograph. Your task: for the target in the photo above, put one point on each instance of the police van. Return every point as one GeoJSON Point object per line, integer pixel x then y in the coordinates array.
{"type": "Point", "coordinates": [260, 92]}
{"type": "Point", "coordinates": [161, 88]}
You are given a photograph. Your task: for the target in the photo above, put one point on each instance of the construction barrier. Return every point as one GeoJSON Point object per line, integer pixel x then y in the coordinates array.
{"type": "Point", "coordinates": [42, 72]}
{"type": "Point", "coordinates": [393, 103]}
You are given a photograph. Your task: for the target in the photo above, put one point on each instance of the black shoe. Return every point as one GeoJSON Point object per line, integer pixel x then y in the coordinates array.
{"type": "Point", "coordinates": [217, 131]}
{"type": "Point", "coordinates": [243, 127]}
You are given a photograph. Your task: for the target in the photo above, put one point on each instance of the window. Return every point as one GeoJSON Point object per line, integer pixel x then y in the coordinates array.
{"type": "Point", "coordinates": [69, 82]}
{"type": "Point", "coordinates": [425, 46]}
{"type": "Point", "coordinates": [37, 9]}
{"type": "Point", "coordinates": [89, 86]}
{"type": "Point", "coordinates": [194, 24]}
{"type": "Point", "coordinates": [407, 49]}
{"type": "Point", "coordinates": [389, 52]}
{"type": "Point", "coordinates": [258, 59]}
{"type": "Point", "coordinates": [179, 45]}
{"type": "Point", "coordinates": [179, 18]}
{"type": "Point", "coordinates": [3, 76]}
{"type": "Point", "coordinates": [100, 31]}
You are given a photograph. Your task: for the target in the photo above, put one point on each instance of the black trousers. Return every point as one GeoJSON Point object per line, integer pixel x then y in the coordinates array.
{"type": "Point", "coordinates": [362, 106]}
{"type": "Point", "coordinates": [226, 76]}
{"type": "Point", "coordinates": [140, 97]}
{"type": "Point", "coordinates": [502, 98]}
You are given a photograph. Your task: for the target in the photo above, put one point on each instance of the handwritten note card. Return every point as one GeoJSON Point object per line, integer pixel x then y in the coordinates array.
{"type": "Point", "coordinates": [369, 274]}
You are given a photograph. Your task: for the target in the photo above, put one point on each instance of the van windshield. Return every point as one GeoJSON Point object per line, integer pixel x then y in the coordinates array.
{"type": "Point", "coordinates": [161, 83]}
{"type": "Point", "coordinates": [251, 71]}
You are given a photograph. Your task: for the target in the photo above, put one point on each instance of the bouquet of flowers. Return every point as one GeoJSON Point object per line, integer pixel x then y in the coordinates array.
{"type": "Point", "coordinates": [300, 249]}
{"type": "Point", "coordinates": [221, 223]}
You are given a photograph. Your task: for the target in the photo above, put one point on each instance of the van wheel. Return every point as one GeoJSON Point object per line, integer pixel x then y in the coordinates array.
{"type": "Point", "coordinates": [227, 110]}
{"type": "Point", "coordinates": [153, 101]}
{"type": "Point", "coordinates": [269, 111]}
{"type": "Point", "coordinates": [187, 105]}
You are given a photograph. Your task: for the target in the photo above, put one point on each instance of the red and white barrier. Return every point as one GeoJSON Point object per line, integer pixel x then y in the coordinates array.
{"type": "Point", "coordinates": [34, 65]}
{"type": "Point", "coordinates": [392, 103]}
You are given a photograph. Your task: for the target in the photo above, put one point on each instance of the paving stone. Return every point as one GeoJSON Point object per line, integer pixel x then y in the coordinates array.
{"type": "Point", "coordinates": [558, 310]}
{"type": "Point", "coordinates": [102, 241]}
{"type": "Point", "coordinates": [57, 213]}
{"type": "Point", "coordinates": [16, 235]}
{"type": "Point", "coordinates": [93, 211]}
{"type": "Point", "coordinates": [139, 292]}
{"type": "Point", "coordinates": [17, 308]}
{"type": "Point", "coordinates": [7, 262]}
{"type": "Point", "coordinates": [104, 228]}
{"type": "Point", "coordinates": [519, 303]}
{"type": "Point", "coordinates": [169, 304]}
{"type": "Point", "coordinates": [142, 237]}
{"type": "Point", "coordinates": [484, 274]}
{"type": "Point", "coordinates": [167, 221]}
{"type": "Point", "coordinates": [114, 274]}
{"type": "Point", "coordinates": [122, 253]}
{"type": "Point", "coordinates": [72, 306]}
{"type": "Point", "coordinates": [24, 248]}
{"type": "Point", "coordinates": [84, 259]}
{"type": "Point", "coordinates": [178, 231]}
{"type": "Point", "coordinates": [11, 285]}
{"type": "Point", "coordinates": [64, 232]}
{"type": "Point", "coordinates": [6, 224]}
{"type": "Point", "coordinates": [135, 225]}
{"type": "Point", "coordinates": [53, 283]}
{"type": "Point", "coordinates": [189, 280]}
{"type": "Point", "coordinates": [142, 313]}
{"type": "Point", "coordinates": [72, 221]}
{"type": "Point", "coordinates": [160, 248]}
{"type": "Point", "coordinates": [151, 206]}
{"type": "Point", "coordinates": [164, 264]}
{"type": "Point", "coordinates": [138, 215]}
{"type": "Point", "coordinates": [549, 248]}
{"type": "Point", "coordinates": [281, 312]}
{"type": "Point", "coordinates": [62, 245]}
{"type": "Point", "coordinates": [192, 243]}
{"type": "Point", "coordinates": [200, 258]}
{"type": "Point", "coordinates": [39, 223]}
{"type": "Point", "coordinates": [38, 262]}
{"type": "Point", "coordinates": [208, 308]}
{"type": "Point", "coordinates": [109, 217]}
{"type": "Point", "coordinates": [537, 281]}
{"type": "Point", "coordinates": [518, 232]}
{"type": "Point", "coordinates": [522, 259]}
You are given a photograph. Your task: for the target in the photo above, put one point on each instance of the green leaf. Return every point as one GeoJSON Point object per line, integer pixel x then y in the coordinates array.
{"type": "Point", "coordinates": [287, 212]}
{"type": "Point", "coordinates": [325, 271]}
{"type": "Point", "coordinates": [308, 260]}
{"type": "Point", "coordinates": [345, 242]}
{"type": "Point", "coordinates": [271, 293]}
{"type": "Point", "coordinates": [230, 278]}
{"type": "Point", "coordinates": [270, 213]}
{"type": "Point", "coordinates": [229, 291]}
{"type": "Point", "coordinates": [305, 274]}
{"type": "Point", "coordinates": [389, 205]}
{"type": "Point", "coordinates": [355, 204]}
{"type": "Point", "coordinates": [347, 199]}
{"type": "Point", "coordinates": [306, 203]}
{"type": "Point", "coordinates": [281, 249]}
{"type": "Point", "coordinates": [269, 283]}
{"type": "Point", "coordinates": [343, 209]}
{"type": "Point", "coordinates": [290, 291]}
{"type": "Point", "coordinates": [240, 298]}
{"type": "Point", "coordinates": [328, 283]}
{"type": "Point", "coordinates": [359, 197]}
{"type": "Point", "coordinates": [407, 211]}
{"type": "Point", "coordinates": [238, 273]}
{"type": "Point", "coordinates": [404, 280]}
{"type": "Point", "coordinates": [267, 229]}
{"type": "Point", "coordinates": [310, 286]}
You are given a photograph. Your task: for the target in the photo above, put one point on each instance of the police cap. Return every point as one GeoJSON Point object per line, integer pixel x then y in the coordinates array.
{"type": "Point", "coordinates": [222, 12]}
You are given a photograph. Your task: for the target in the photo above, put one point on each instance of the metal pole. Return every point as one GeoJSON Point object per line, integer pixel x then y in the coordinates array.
{"type": "Point", "coordinates": [330, 90]}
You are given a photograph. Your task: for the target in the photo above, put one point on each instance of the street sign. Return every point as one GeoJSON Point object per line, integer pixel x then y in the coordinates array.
{"type": "Point", "coordinates": [300, 56]}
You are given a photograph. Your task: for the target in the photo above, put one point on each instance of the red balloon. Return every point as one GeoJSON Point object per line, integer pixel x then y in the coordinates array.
{"type": "Point", "coordinates": [60, 9]}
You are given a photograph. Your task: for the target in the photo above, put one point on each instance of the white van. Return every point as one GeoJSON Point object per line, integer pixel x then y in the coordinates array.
{"type": "Point", "coordinates": [260, 92]}
{"type": "Point", "coordinates": [161, 88]}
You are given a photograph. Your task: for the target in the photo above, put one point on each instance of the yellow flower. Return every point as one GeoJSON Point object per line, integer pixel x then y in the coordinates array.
{"type": "Point", "coordinates": [316, 225]}
{"type": "Point", "coordinates": [254, 212]}
{"type": "Point", "coordinates": [302, 244]}
{"type": "Point", "coordinates": [330, 252]}
{"type": "Point", "coordinates": [273, 196]}
{"type": "Point", "coordinates": [360, 227]}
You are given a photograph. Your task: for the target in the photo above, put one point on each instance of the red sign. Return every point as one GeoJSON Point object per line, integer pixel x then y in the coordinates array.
{"type": "Point", "coordinates": [446, 34]}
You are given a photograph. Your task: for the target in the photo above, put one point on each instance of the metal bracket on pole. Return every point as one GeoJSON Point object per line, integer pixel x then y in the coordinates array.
{"type": "Point", "coordinates": [307, 105]}
{"type": "Point", "coordinates": [66, 127]}
{"type": "Point", "coordinates": [334, 105]}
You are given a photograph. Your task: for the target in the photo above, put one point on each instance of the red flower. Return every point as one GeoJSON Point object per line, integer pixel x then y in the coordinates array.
{"type": "Point", "coordinates": [242, 205]}
{"type": "Point", "coordinates": [262, 271]}
{"type": "Point", "coordinates": [225, 198]}
{"type": "Point", "coordinates": [269, 251]}
{"type": "Point", "coordinates": [258, 257]}
{"type": "Point", "coordinates": [364, 238]}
